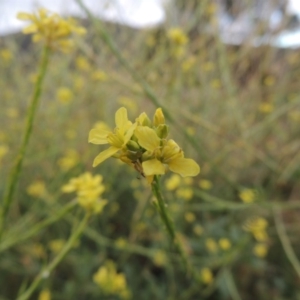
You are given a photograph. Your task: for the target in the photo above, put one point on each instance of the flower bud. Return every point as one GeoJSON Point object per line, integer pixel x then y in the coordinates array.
{"type": "Point", "coordinates": [162, 131]}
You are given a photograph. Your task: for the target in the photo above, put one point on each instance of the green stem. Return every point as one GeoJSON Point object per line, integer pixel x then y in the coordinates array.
{"type": "Point", "coordinates": [55, 216]}
{"type": "Point", "coordinates": [166, 219]}
{"type": "Point", "coordinates": [285, 241]}
{"type": "Point", "coordinates": [60, 256]}
{"type": "Point", "coordinates": [17, 166]}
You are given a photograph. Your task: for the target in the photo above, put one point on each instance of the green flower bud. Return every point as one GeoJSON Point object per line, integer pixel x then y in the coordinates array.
{"type": "Point", "coordinates": [162, 131]}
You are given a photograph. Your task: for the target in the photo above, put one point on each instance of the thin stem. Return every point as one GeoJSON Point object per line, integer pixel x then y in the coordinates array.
{"type": "Point", "coordinates": [55, 216]}
{"type": "Point", "coordinates": [166, 219]}
{"type": "Point", "coordinates": [17, 166]}
{"type": "Point", "coordinates": [286, 244]}
{"type": "Point", "coordinates": [61, 255]}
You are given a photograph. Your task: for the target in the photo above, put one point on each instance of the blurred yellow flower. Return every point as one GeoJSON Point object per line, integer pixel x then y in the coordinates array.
{"type": "Point", "coordinates": [205, 184]}
{"type": "Point", "coordinates": [78, 83]}
{"type": "Point", "coordinates": [45, 294]}
{"type": "Point", "coordinates": [121, 243]}
{"type": "Point", "coordinates": [185, 193]}
{"type": "Point", "coordinates": [257, 227]}
{"type": "Point", "coordinates": [269, 81]}
{"type": "Point", "coordinates": [266, 108]}
{"type": "Point", "coordinates": [190, 217]}
{"type": "Point", "coordinates": [211, 245]}
{"type": "Point", "coordinates": [224, 243]}
{"type": "Point", "coordinates": [111, 282]}
{"type": "Point", "coordinates": [160, 258]}
{"type": "Point", "coordinates": [198, 230]}
{"type": "Point", "coordinates": [69, 160]}
{"type": "Point", "coordinates": [173, 182]}
{"type": "Point", "coordinates": [51, 29]}
{"type": "Point", "coordinates": [247, 195]}
{"type": "Point", "coordinates": [206, 275]}
{"type": "Point", "coordinates": [129, 103]}
{"type": "Point", "coordinates": [216, 83]}
{"type": "Point", "coordinates": [6, 55]}
{"type": "Point", "coordinates": [88, 189]}
{"type": "Point", "coordinates": [99, 76]}
{"type": "Point", "coordinates": [37, 189]}
{"type": "Point", "coordinates": [64, 95]}
{"type": "Point", "coordinates": [56, 245]}
{"type": "Point", "coordinates": [177, 36]}
{"type": "Point", "coordinates": [188, 64]}
{"type": "Point", "coordinates": [260, 250]}
{"type": "Point", "coordinates": [82, 63]}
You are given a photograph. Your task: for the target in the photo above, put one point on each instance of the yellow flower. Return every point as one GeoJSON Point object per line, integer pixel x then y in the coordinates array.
{"type": "Point", "coordinates": [224, 244]}
{"type": "Point", "coordinates": [143, 145]}
{"type": "Point", "coordinates": [185, 193]}
{"type": "Point", "coordinates": [260, 250]}
{"type": "Point", "coordinates": [51, 29]}
{"type": "Point", "coordinates": [206, 275]}
{"type": "Point", "coordinates": [36, 188]}
{"type": "Point", "coordinates": [266, 108]}
{"type": "Point", "coordinates": [99, 76]}
{"type": "Point", "coordinates": [117, 139]}
{"type": "Point", "coordinates": [247, 195]}
{"type": "Point", "coordinates": [69, 160]}
{"type": "Point", "coordinates": [88, 190]}
{"type": "Point", "coordinates": [110, 281]}
{"type": "Point", "coordinates": [177, 36]}
{"type": "Point", "coordinates": [45, 295]}
{"type": "Point", "coordinates": [205, 184]}
{"type": "Point", "coordinates": [211, 245]}
{"type": "Point", "coordinates": [82, 63]}
{"type": "Point", "coordinates": [173, 182]}
{"type": "Point", "coordinates": [190, 217]}
{"type": "Point", "coordinates": [56, 245]}
{"type": "Point", "coordinates": [198, 230]}
{"type": "Point", "coordinates": [165, 154]}
{"type": "Point", "coordinates": [6, 55]}
{"type": "Point", "coordinates": [257, 227]}
{"type": "Point", "coordinates": [64, 95]}
{"type": "Point", "coordinates": [160, 258]}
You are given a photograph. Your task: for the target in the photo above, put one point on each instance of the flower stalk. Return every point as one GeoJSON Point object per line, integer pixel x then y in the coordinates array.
{"type": "Point", "coordinates": [168, 222]}
{"type": "Point", "coordinates": [17, 166]}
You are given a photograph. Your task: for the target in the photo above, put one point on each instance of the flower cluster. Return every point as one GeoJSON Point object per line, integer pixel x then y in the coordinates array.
{"type": "Point", "coordinates": [257, 226]}
{"type": "Point", "coordinates": [143, 145]}
{"type": "Point", "coordinates": [178, 41]}
{"type": "Point", "coordinates": [50, 28]}
{"type": "Point", "coordinates": [111, 282]}
{"type": "Point", "coordinates": [89, 190]}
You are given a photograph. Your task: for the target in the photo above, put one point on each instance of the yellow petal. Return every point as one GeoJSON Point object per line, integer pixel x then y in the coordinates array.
{"type": "Point", "coordinates": [24, 16]}
{"type": "Point", "coordinates": [184, 167]}
{"type": "Point", "coordinates": [102, 156]}
{"type": "Point", "coordinates": [158, 117]}
{"type": "Point", "coordinates": [30, 29]}
{"type": "Point", "coordinates": [129, 133]}
{"type": "Point", "coordinates": [121, 118]}
{"type": "Point", "coordinates": [147, 138]}
{"type": "Point", "coordinates": [98, 136]}
{"type": "Point", "coordinates": [153, 167]}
